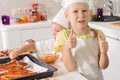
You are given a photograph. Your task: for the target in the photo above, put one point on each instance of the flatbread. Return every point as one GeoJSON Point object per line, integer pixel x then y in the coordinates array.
{"type": "Point", "coordinates": [16, 73]}
{"type": "Point", "coordinates": [9, 70]}
{"type": "Point", "coordinates": [11, 66]}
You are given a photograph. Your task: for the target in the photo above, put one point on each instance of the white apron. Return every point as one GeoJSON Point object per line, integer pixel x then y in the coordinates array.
{"type": "Point", "coordinates": [86, 57]}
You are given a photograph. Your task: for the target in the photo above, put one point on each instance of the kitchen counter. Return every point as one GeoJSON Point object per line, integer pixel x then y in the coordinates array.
{"type": "Point", "coordinates": [62, 73]}
{"type": "Point", "coordinates": [107, 28]}
{"type": "Point", "coordinates": [15, 26]}
{"type": "Point", "coordinates": [18, 33]}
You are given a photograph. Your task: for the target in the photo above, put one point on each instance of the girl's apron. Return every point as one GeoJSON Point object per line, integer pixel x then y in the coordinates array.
{"type": "Point", "coordinates": [86, 57]}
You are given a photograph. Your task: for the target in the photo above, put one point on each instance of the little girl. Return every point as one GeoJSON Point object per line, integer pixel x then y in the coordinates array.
{"type": "Point", "coordinates": [83, 48]}
{"type": "Point", "coordinates": [43, 45]}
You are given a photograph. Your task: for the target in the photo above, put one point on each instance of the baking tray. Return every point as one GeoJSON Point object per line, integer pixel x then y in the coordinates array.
{"type": "Point", "coordinates": [37, 76]}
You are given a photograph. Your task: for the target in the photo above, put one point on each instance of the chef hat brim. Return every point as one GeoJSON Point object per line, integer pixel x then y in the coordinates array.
{"type": "Point", "coordinates": [60, 18]}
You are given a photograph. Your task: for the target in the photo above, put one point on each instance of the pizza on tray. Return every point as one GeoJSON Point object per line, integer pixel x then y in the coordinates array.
{"type": "Point", "coordinates": [10, 70]}
{"type": "Point", "coordinates": [16, 73]}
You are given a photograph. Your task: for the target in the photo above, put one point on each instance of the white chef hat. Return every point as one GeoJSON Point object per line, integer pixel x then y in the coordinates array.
{"type": "Point", "coordinates": [60, 18]}
{"type": "Point", "coordinates": [66, 3]}
{"type": "Point", "coordinates": [58, 1]}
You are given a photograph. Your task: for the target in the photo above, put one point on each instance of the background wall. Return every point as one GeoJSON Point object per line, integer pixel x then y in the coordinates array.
{"type": "Point", "coordinates": [105, 3]}
{"type": "Point", "coordinates": [52, 7]}
{"type": "Point", "coordinates": [6, 6]}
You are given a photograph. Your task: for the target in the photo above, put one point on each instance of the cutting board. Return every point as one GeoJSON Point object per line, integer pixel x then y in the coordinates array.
{"type": "Point", "coordinates": [116, 24]}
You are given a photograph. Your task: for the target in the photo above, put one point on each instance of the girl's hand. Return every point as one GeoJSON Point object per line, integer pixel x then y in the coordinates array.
{"type": "Point", "coordinates": [103, 45]}
{"type": "Point", "coordinates": [71, 40]}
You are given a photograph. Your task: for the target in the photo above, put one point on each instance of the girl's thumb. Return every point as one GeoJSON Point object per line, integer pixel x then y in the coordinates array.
{"type": "Point", "coordinates": [71, 33]}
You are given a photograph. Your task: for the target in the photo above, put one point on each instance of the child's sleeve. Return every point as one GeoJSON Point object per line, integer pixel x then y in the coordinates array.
{"type": "Point", "coordinates": [61, 40]}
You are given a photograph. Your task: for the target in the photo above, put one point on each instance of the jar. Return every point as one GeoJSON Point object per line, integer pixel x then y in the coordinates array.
{"type": "Point", "coordinates": [5, 19]}
{"type": "Point", "coordinates": [34, 14]}
{"type": "Point", "coordinates": [100, 14]}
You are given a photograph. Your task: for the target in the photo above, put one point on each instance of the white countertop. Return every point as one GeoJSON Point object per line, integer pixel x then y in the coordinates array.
{"type": "Point", "coordinates": [107, 28]}
{"type": "Point", "coordinates": [15, 26]}
{"type": "Point", "coordinates": [62, 73]}
{"type": "Point", "coordinates": [106, 25]}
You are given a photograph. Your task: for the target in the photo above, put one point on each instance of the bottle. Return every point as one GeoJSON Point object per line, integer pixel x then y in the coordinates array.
{"type": "Point", "coordinates": [44, 15]}
{"type": "Point", "coordinates": [95, 16]}
{"type": "Point", "coordinates": [34, 14]}
{"type": "Point", "coordinates": [94, 10]}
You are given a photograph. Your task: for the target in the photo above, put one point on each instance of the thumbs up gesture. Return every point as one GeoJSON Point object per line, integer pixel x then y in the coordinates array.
{"type": "Point", "coordinates": [103, 45]}
{"type": "Point", "coordinates": [71, 40]}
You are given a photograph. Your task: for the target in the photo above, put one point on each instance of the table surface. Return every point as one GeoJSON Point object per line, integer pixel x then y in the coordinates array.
{"type": "Point", "coordinates": [62, 73]}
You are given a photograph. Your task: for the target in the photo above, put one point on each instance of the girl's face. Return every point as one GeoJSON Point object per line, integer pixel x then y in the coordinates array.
{"type": "Point", "coordinates": [78, 14]}
{"type": "Point", "coordinates": [56, 28]}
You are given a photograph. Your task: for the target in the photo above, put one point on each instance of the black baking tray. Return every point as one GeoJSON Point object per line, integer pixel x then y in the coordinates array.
{"type": "Point", "coordinates": [37, 76]}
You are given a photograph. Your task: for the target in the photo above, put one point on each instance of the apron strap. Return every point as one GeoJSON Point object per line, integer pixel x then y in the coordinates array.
{"type": "Point", "coordinates": [95, 33]}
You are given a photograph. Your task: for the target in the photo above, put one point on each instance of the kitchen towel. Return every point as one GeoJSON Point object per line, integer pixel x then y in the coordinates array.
{"type": "Point", "coordinates": [33, 66]}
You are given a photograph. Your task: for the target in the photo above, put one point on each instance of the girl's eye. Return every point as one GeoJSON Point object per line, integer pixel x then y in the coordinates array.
{"type": "Point", "coordinates": [84, 11]}
{"type": "Point", "coordinates": [57, 30]}
{"type": "Point", "coordinates": [75, 11]}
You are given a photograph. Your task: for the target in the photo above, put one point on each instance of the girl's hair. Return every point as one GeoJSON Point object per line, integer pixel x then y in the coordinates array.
{"type": "Point", "coordinates": [69, 25]}
{"type": "Point", "coordinates": [94, 32]}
